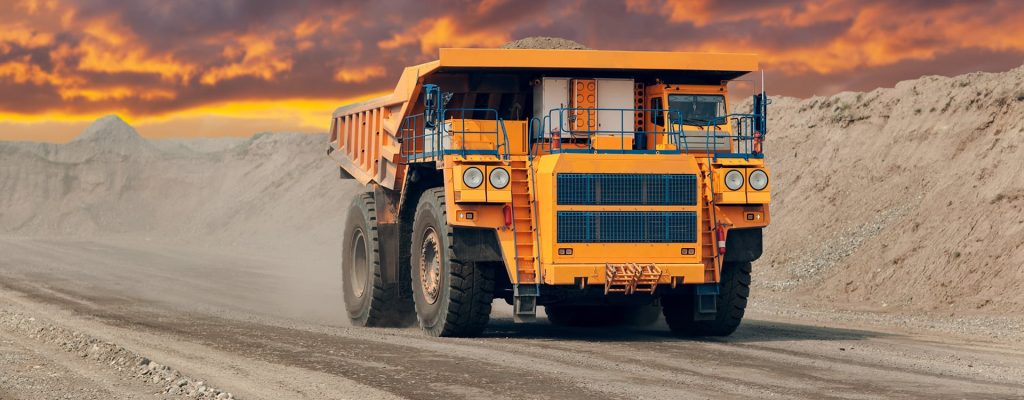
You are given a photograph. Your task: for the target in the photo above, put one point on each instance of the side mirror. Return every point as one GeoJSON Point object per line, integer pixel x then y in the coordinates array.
{"type": "Point", "coordinates": [760, 109]}
{"type": "Point", "coordinates": [430, 117]}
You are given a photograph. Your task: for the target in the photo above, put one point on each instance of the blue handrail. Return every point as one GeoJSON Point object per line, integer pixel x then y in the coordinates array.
{"type": "Point", "coordinates": [413, 131]}
{"type": "Point", "coordinates": [570, 115]}
{"type": "Point", "coordinates": [744, 141]}
{"type": "Point", "coordinates": [746, 137]}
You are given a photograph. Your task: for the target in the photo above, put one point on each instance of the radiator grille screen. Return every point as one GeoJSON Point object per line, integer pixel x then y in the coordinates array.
{"type": "Point", "coordinates": [627, 227]}
{"type": "Point", "coordinates": [627, 189]}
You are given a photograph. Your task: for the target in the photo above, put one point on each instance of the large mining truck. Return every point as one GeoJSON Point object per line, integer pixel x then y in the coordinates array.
{"type": "Point", "coordinates": [597, 184]}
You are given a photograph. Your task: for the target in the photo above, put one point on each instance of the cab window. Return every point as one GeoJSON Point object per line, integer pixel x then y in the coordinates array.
{"type": "Point", "coordinates": [697, 109]}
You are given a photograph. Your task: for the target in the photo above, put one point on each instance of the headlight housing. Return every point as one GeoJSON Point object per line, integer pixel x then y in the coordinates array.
{"type": "Point", "coordinates": [499, 178]}
{"type": "Point", "coordinates": [473, 177]}
{"type": "Point", "coordinates": [734, 180]}
{"type": "Point", "coordinates": [758, 179]}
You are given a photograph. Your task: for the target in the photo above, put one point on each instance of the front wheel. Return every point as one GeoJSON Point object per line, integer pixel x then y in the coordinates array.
{"type": "Point", "coordinates": [453, 297]}
{"type": "Point", "coordinates": [731, 304]}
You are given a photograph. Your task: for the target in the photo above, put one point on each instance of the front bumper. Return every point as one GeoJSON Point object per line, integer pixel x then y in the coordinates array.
{"type": "Point", "coordinates": [595, 274]}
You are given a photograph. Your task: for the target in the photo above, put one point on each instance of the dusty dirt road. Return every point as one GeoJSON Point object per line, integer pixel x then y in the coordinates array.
{"type": "Point", "coordinates": [266, 325]}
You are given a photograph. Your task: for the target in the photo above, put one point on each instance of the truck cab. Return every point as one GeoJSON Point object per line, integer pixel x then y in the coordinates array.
{"type": "Point", "coordinates": [600, 185]}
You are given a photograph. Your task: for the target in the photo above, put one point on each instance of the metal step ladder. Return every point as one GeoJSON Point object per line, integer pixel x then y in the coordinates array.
{"type": "Point", "coordinates": [527, 286]}
{"type": "Point", "coordinates": [709, 229]}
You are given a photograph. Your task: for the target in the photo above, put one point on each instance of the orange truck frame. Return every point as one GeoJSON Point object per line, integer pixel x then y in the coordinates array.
{"type": "Point", "coordinates": [605, 186]}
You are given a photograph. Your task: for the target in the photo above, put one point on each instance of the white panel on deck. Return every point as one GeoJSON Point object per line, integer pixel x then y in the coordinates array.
{"type": "Point", "coordinates": [615, 94]}
{"type": "Point", "coordinates": [551, 94]}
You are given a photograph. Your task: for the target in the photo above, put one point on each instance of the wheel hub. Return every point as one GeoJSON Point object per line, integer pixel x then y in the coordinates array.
{"type": "Point", "coordinates": [360, 265]}
{"type": "Point", "coordinates": [430, 266]}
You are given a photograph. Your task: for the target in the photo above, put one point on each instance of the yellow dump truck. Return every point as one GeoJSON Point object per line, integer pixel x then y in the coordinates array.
{"type": "Point", "coordinates": [598, 184]}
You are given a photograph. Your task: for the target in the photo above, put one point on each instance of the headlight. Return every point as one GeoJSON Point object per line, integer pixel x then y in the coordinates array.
{"type": "Point", "coordinates": [472, 177]}
{"type": "Point", "coordinates": [758, 179]}
{"type": "Point", "coordinates": [499, 178]}
{"type": "Point", "coordinates": [734, 180]}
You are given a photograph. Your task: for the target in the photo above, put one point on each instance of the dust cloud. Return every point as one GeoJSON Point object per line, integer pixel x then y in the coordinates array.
{"type": "Point", "coordinates": [257, 218]}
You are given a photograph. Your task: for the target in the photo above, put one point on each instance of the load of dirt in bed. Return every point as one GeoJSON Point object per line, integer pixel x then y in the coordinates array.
{"type": "Point", "coordinates": [544, 42]}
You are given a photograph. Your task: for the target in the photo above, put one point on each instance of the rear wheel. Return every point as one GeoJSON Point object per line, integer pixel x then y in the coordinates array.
{"type": "Point", "coordinates": [368, 301]}
{"type": "Point", "coordinates": [453, 297]}
{"type": "Point", "coordinates": [731, 304]}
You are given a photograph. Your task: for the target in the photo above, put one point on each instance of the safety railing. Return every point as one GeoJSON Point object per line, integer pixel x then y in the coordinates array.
{"type": "Point", "coordinates": [578, 129]}
{"type": "Point", "coordinates": [746, 139]}
{"type": "Point", "coordinates": [561, 130]}
{"type": "Point", "coordinates": [428, 142]}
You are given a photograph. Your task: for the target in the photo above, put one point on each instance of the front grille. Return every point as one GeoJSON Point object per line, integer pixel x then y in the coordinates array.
{"type": "Point", "coordinates": [627, 227]}
{"type": "Point", "coordinates": [627, 189]}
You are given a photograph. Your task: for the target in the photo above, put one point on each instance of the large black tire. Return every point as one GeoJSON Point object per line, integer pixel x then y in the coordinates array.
{"type": "Point", "coordinates": [455, 299]}
{"type": "Point", "coordinates": [733, 291]}
{"type": "Point", "coordinates": [368, 301]}
{"type": "Point", "coordinates": [598, 316]}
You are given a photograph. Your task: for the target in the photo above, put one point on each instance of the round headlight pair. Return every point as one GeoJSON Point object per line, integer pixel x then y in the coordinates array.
{"type": "Point", "coordinates": [758, 179]}
{"type": "Point", "coordinates": [734, 179]}
{"type": "Point", "coordinates": [499, 178]}
{"type": "Point", "coordinates": [473, 177]}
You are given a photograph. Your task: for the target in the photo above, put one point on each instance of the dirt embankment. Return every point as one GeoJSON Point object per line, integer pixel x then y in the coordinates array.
{"type": "Point", "coordinates": [904, 198]}
{"type": "Point", "coordinates": [111, 181]}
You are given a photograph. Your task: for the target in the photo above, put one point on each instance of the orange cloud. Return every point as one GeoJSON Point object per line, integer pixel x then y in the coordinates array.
{"type": "Point", "coordinates": [115, 93]}
{"type": "Point", "coordinates": [107, 48]}
{"type": "Point", "coordinates": [361, 74]}
{"type": "Point", "coordinates": [34, 6]}
{"type": "Point", "coordinates": [23, 71]}
{"type": "Point", "coordinates": [25, 37]}
{"type": "Point", "coordinates": [877, 35]}
{"type": "Point", "coordinates": [260, 58]}
{"type": "Point", "coordinates": [704, 12]}
{"type": "Point", "coordinates": [443, 32]}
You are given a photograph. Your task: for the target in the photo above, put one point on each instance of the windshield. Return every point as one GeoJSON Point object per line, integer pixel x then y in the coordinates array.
{"type": "Point", "coordinates": [697, 109]}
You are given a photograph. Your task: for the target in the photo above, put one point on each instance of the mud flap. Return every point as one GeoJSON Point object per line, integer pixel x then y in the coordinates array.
{"type": "Point", "coordinates": [524, 304]}
{"type": "Point", "coordinates": [706, 306]}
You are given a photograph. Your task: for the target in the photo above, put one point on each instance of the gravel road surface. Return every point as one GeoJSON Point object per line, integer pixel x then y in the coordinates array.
{"type": "Point", "coordinates": [85, 319]}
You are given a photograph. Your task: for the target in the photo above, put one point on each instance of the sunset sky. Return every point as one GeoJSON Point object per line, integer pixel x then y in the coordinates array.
{"type": "Point", "coordinates": [235, 67]}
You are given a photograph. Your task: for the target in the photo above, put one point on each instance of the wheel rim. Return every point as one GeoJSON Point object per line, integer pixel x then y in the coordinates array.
{"type": "Point", "coordinates": [360, 265]}
{"type": "Point", "coordinates": [430, 266]}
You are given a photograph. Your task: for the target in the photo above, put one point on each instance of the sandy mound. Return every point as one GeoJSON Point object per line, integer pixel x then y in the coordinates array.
{"type": "Point", "coordinates": [112, 134]}
{"type": "Point", "coordinates": [110, 181]}
{"type": "Point", "coordinates": [544, 42]}
{"type": "Point", "coordinates": [902, 198]}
